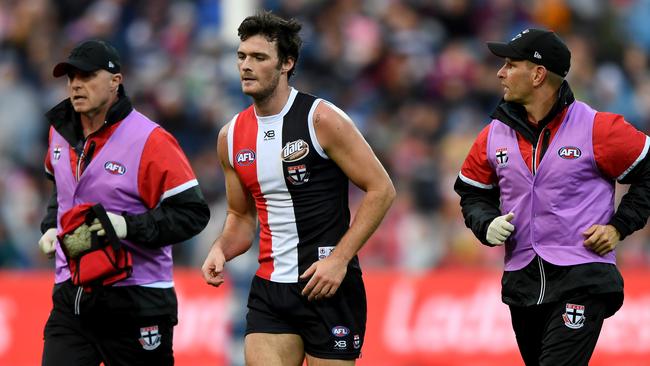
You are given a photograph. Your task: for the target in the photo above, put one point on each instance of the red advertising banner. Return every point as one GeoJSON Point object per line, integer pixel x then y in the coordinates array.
{"type": "Point", "coordinates": [441, 318]}
{"type": "Point", "coordinates": [456, 318]}
{"type": "Point", "coordinates": [200, 339]}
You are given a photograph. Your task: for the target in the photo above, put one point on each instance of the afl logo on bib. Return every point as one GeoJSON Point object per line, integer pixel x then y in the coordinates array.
{"type": "Point", "coordinates": [245, 157]}
{"type": "Point", "coordinates": [569, 152]}
{"type": "Point", "coordinates": [114, 168]}
{"type": "Point", "coordinates": [294, 151]}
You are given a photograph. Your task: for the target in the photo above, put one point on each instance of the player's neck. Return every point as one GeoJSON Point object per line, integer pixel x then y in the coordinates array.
{"type": "Point", "coordinates": [274, 102]}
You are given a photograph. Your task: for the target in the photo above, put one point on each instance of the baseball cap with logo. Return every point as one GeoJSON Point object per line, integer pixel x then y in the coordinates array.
{"type": "Point", "coordinates": [90, 56]}
{"type": "Point", "coordinates": [540, 46]}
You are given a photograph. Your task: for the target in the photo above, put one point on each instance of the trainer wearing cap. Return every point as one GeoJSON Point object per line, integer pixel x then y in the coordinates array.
{"type": "Point", "coordinates": [539, 182]}
{"type": "Point", "coordinates": [102, 151]}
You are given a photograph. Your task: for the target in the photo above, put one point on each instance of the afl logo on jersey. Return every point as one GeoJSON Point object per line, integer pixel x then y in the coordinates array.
{"type": "Point", "coordinates": [294, 151]}
{"type": "Point", "coordinates": [115, 168]}
{"type": "Point", "coordinates": [569, 152]}
{"type": "Point", "coordinates": [245, 157]}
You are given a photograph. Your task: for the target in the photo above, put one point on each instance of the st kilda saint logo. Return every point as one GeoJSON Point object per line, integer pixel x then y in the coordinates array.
{"type": "Point", "coordinates": [569, 152]}
{"type": "Point", "coordinates": [502, 157]}
{"type": "Point", "coordinates": [297, 174]}
{"type": "Point", "coordinates": [56, 152]}
{"type": "Point", "coordinates": [574, 316]}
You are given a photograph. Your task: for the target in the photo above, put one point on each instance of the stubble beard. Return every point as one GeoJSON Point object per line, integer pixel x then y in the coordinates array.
{"type": "Point", "coordinates": [266, 93]}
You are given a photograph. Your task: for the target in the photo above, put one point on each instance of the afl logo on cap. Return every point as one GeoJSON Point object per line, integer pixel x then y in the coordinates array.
{"type": "Point", "coordinates": [294, 151]}
{"type": "Point", "coordinates": [569, 152]}
{"type": "Point", "coordinates": [115, 168]}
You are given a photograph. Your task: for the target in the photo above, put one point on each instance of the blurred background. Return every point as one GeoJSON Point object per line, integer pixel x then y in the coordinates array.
{"type": "Point", "coordinates": [414, 75]}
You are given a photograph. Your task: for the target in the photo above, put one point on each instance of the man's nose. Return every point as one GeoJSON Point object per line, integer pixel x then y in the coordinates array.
{"type": "Point", "coordinates": [74, 81]}
{"type": "Point", "coordinates": [501, 73]}
{"type": "Point", "coordinates": [245, 63]}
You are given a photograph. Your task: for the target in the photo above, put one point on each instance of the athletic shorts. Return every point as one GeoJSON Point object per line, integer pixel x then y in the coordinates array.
{"type": "Point", "coordinates": [331, 328]}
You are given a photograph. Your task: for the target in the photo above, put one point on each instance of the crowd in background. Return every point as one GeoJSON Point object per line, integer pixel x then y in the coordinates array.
{"type": "Point", "coordinates": [414, 75]}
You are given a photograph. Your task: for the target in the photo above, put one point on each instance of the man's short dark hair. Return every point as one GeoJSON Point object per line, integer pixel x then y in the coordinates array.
{"type": "Point", "coordinates": [274, 28]}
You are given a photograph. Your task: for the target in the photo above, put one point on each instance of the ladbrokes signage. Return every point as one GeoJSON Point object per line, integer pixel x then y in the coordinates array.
{"type": "Point", "coordinates": [443, 318]}
{"type": "Point", "coordinates": [455, 317]}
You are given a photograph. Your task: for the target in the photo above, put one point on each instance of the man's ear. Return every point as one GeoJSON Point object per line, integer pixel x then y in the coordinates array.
{"type": "Point", "coordinates": [539, 75]}
{"type": "Point", "coordinates": [288, 65]}
{"type": "Point", "coordinates": [116, 80]}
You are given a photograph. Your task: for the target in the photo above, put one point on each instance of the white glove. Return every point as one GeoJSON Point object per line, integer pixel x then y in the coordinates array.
{"type": "Point", "coordinates": [47, 242]}
{"type": "Point", "coordinates": [118, 222]}
{"type": "Point", "coordinates": [500, 229]}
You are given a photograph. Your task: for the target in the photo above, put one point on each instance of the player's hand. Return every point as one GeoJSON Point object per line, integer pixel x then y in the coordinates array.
{"type": "Point", "coordinates": [47, 243]}
{"type": "Point", "coordinates": [213, 267]}
{"type": "Point", "coordinates": [500, 229]}
{"type": "Point", "coordinates": [326, 277]}
{"type": "Point", "coordinates": [118, 222]}
{"type": "Point", "coordinates": [602, 239]}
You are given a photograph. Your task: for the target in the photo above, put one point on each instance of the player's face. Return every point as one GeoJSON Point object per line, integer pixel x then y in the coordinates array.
{"type": "Point", "coordinates": [91, 92]}
{"type": "Point", "coordinates": [259, 66]}
{"type": "Point", "coordinates": [517, 80]}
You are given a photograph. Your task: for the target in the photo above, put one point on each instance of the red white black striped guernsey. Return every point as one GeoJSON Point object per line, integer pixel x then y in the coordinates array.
{"type": "Point", "coordinates": [300, 194]}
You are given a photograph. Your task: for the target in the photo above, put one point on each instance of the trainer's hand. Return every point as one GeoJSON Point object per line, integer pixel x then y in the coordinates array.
{"type": "Point", "coordinates": [602, 239]}
{"type": "Point", "coordinates": [500, 229]}
{"type": "Point", "coordinates": [326, 277]}
{"type": "Point", "coordinates": [47, 243]}
{"type": "Point", "coordinates": [118, 222]}
{"type": "Point", "coordinates": [213, 267]}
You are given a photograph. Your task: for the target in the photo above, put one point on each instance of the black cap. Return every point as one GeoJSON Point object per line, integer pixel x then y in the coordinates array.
{"type": "Point", "coordinates": [90, 56]}
{"type": "Point", "coordinates": [540, 46]}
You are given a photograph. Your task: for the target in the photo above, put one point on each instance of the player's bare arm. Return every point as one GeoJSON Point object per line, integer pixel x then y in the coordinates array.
{"type": "Point", "coordinates": [239, 227]}
{"type": "Point", "coordinates": [345, 145]}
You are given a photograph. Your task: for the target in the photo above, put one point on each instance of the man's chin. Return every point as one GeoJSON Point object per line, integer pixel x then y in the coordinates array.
{"type": "Point", "coordinates": [79, 109]}
{"type": "Point", "coordinates": [253, 93]}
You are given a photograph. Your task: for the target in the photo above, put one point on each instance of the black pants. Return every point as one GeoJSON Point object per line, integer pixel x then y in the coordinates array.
{"type": "Point", "coordinates": [560, 333]}
{"type": "Point", "coordinates": [116, 339]}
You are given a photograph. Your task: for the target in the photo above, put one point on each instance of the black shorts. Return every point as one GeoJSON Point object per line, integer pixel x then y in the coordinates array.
{"type": "Point", "coordinates": [331, 328]}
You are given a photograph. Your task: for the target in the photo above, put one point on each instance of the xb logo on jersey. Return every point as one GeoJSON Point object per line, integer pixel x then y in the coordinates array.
{"type": "Point", "coordinates": [245, 157]}
{"type": "Point", "coordinates": [569, 152]}
{"type": "Point", "coordinates": [269, 135]}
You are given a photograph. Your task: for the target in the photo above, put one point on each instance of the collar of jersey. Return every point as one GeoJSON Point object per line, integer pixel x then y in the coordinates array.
{"type": "Point", "coordinates": [274, 118]}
